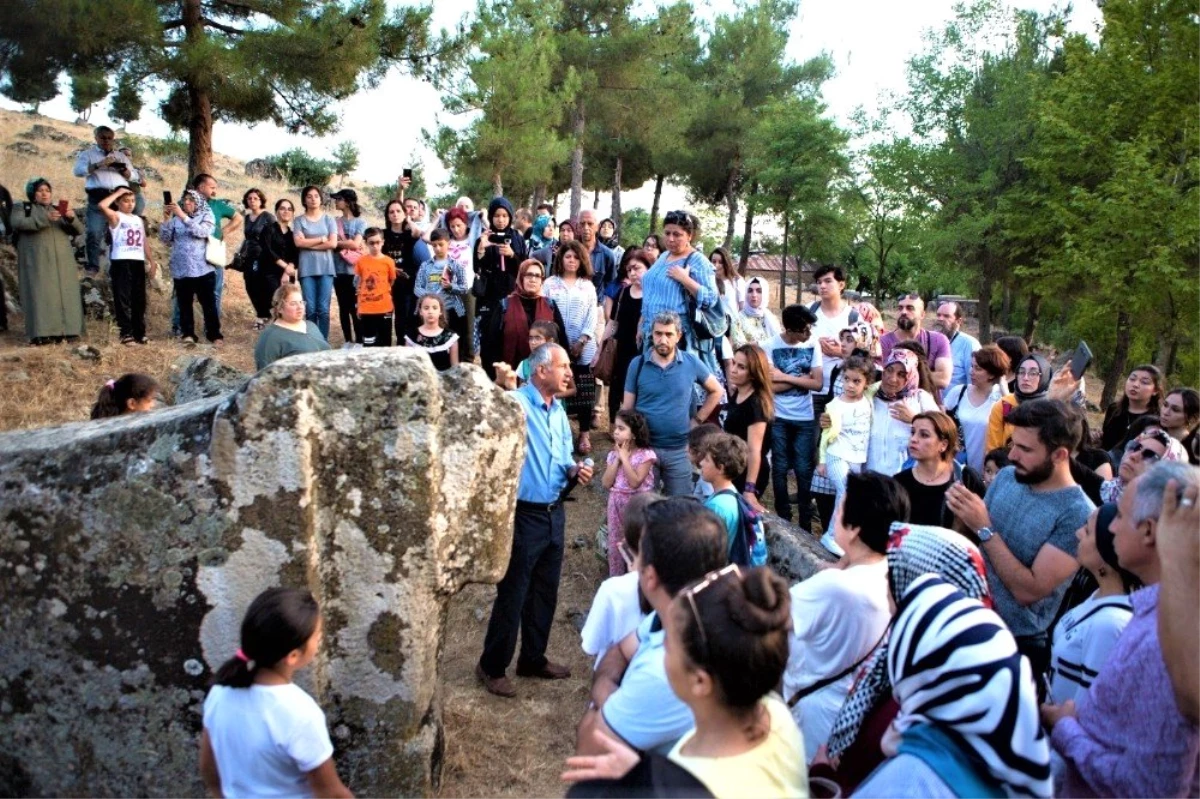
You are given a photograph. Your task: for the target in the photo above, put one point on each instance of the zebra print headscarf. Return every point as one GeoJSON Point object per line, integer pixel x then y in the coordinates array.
{"type": "Point", "coordinates": [953, 663]}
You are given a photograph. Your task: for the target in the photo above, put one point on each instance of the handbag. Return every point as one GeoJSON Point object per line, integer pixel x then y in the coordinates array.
{"type": "Point", "coordinates": [606, 361]}
{"type": "Point", "coordinates": [349, 256]}
{"type": "Point", "coordinates": [214, 252]}
{"type": "Point", "coordinates": [707, 323]}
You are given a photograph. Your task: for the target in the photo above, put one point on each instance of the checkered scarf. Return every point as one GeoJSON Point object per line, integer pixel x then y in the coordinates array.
{"type": "Point", "coordinates": [914, 550]}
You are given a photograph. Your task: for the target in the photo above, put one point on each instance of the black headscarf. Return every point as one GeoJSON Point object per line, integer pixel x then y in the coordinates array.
{"type": "Point", "coordinates": [1043, 384]}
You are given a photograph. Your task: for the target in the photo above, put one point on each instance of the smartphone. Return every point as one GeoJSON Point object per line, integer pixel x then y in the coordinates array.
{"type": "Point", "coordinates": [166, 198]}
{"type": "Point", "coordinates": [63, 205]}
{"type": "Point", "coordinates": [1081, 359]}
{"type": "Point", "coordinates": [408, 174]}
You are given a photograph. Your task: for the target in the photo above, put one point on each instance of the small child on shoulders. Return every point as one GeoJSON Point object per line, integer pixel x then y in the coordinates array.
{"type": "Point", "coordinates": [432, 335]}
{"type": "Point", "coordinates": [263, 735]}
{"type": "Point", "coordinates": [616, 611]}
{"type": "Point", "coordinates": [629, 472]}
{"type": "Point", "coordinates": [843, 447]}
{"type": "Point", "coordinates": [376, 273]}
{"type": "Point", "coordinates": [722, 459]}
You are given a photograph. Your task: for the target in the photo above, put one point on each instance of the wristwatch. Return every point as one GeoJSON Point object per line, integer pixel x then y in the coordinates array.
{"type": "Point", "coordinates": [984, 533]}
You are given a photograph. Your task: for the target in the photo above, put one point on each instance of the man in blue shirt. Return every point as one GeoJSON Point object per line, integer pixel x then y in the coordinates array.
{"type": "Point", "coordinates": [631, 696]}
{"type": "Point", "coordinates": [528, 594]}
{"type": "Point", "coordinates": [962, 345]}
{"type": "Point", "coordinates": [659, 386]}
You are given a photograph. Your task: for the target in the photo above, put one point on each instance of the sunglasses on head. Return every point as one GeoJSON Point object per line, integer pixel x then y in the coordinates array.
{"type": "Point", "coordinates": [676, 218]}
{"type": "Point", "coordinates": [690, 594]}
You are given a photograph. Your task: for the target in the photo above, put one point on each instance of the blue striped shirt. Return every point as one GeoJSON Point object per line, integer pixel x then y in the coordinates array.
{"type": "Point", "coordinates": [548, 446]}
{"type": "Point", "coordinates": [661, 293]}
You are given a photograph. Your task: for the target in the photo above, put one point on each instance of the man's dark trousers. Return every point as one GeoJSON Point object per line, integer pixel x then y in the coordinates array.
{"type": "Point", "coordinates": [528, 594]}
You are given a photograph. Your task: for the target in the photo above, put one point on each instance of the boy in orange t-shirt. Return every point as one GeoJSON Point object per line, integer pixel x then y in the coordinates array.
{"type": "Point", "coordinates": [376, 274]}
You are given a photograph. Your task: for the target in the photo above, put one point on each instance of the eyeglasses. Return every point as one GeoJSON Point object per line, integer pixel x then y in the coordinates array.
{"type": "Point", "coordinates": [534, 275]}
{"type": "Point", "coordinates": [1146, 453]}
{"type": "Point", "coordinates": [1029, 373]}
{"type": "Point", "coordinates": [690, 594]}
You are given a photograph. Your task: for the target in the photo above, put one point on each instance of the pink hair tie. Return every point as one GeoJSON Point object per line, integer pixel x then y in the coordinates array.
{"type": "Point", "coordinates": [110, 385]}
{"type": "Point", "coordinates": [240, 655]}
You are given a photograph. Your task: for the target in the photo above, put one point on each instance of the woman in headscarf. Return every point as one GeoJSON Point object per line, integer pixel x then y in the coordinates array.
{"type": "Point", "coordinates": [870, 314]}
{"type": "Point", "coordinates": [508, 338]}
{"type": "Point", "coordinates": [1033, 382]}
{"type": "Point", "coordinates": [47, 273]}
{"type": "Point", "coordinates": [1150, 447]}
{"type": "Point", "coordinates": [542, 233]}
{"type": "Point", "coordinates": [607, 233]}
{"type": "Point", "coordinates": [1084, 635]}
{"type": "Point", "coordinates": [755, 323]}
{"type": "Point", "coordinates": [896, 400]}
{"type": "Point", "coordinates": [911, 700]}
{"type": "Point", "coordinates": [186, 228]}
{"type": "Point", "coordinates": [498, 252]}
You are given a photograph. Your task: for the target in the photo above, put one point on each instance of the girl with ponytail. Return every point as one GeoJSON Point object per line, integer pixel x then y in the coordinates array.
{"type": "Point", "coordinates": [131, 393]}
{"type": "Point", "coordinates": [726, 648]}
{"type": "Point", "coordinates": [263, 735]}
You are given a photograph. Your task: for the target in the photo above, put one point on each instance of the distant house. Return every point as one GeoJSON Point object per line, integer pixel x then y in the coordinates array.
{"type": "Point", "coordinates": [770, 269]}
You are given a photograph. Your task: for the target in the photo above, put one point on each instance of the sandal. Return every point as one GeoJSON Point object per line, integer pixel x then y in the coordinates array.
{"type": "Point", "coordinates": [189, 341]}
{"type": "Point", "coordinates": [128, 341]}
{"type": "Point", "coordinates": [585, 444]}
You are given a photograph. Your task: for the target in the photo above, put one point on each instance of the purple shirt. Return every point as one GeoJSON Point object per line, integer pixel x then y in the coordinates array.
{"type": "Point", "coordinates": [1128, 738]}
{"type": "Point", "coordinates": [936, 345]}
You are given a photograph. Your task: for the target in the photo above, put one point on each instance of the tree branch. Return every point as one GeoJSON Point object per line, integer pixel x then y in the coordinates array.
{"type": "Point", "coordinates": [222, 27]}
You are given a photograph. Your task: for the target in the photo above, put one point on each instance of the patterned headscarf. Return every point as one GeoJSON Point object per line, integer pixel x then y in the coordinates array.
{"type": "Point", "coordinates": [201, 203]}
{"type": "Point", "coordinates": [32, 186]}
{"type": "Point", "coordinates": [955, 665]}
{"type": "Point", "coordinates": [537, 239]}
{"type": "Point", "coordinates": [914, 550]}
{"type": "Point", "coordinates": [908, 359]}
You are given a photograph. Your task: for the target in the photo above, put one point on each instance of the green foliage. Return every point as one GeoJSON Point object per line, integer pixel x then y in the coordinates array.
{"type": "Point", "coordinates": [87, 89]}
{"type": "Point", "coordinates": [345, 158]}
{"type": "Point", "coordinates": [174, 147]}
{"type": "Point", "coordinates": [635, 227]}
{"type": "Point", "coordinates": [302, 169]}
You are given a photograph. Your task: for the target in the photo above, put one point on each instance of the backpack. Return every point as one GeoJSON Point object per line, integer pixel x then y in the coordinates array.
{"type": "Point", "coordinates": [707, 323]}
{"type": "Point", "coordinates": [851, 319]}
{"type": "Point", "coordinates": [749, 546]}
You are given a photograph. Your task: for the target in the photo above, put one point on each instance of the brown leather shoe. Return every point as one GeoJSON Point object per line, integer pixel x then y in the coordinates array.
{"type": "Point", "coordinates": [549, 671]}
{"type": "Point", "coordinates": [500, 686]}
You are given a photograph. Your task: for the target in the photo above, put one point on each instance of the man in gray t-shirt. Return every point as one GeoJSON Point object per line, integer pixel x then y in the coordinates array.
{"type": "Point", "coordinates": [1026, 525]}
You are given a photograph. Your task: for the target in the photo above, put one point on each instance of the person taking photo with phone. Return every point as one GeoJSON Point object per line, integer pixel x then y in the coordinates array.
{"type": "Point", "coordinates": [46, 270]}
{"type": "Point", "coordinates": [106, 169]}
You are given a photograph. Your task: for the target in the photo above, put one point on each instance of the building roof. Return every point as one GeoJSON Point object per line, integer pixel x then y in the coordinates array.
{"type": "Point", "coordinates": [759, 262]}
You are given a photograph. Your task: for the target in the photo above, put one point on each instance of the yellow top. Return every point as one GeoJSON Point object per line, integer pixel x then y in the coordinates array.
{"type": "Point", "coordinates": [774, 768]}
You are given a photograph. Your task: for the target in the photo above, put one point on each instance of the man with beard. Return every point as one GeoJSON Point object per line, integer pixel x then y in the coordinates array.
{"type": "Point", "coordinates": [1026, 525]}
{"type": "Point", "coordinates": [910, 313]}
{"type": "Point", "coordinates": [659, 386]}
{"type": "Point", "coordinates": [962, 345]}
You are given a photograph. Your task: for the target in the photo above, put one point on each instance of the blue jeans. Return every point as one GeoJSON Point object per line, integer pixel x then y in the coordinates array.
{"type": "Point", "coordinates": [317, 290]}
{"type": "Point", "coordinates": [217, 292]}
{"type": "Point", "coordinates": [793, 450]}
{"type": "Point", "coordinates": [97, 229]}
{"type": "Point", "coordinates": [675, 469]}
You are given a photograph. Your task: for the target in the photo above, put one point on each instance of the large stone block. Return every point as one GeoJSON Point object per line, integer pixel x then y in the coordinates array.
{"type": "Point", "coordinates": [130, 549]}
{"type": "Point", "coordinates": [794, 552]}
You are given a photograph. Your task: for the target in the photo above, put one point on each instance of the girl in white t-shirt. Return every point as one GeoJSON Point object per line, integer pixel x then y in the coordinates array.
{"type": "Point", "coordinates": [130, 262]}
{"type": "Point", "coordinates": [844, 443]}
{"type": "Point", "coordinates": [263, 735]}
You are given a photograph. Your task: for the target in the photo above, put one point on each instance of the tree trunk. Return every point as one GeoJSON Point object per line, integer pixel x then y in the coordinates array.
{"type": "Point", "coordinates": [580, 125]}
{"type": "Point", "coordinates": [539, 197]}
{"type": "Point", "coordinates": [497, 185]}
{"type": "Point", "coordinates": [787, 226]}
{"type": "Point", "coordinates": [616, 198]}
{"type": "Point", "coordinates": [1006, 307]}
{"type": "Point", "coordinates": [1032, 316]}
{"type": "Point", "coordinates": [200, 119]}
{"type": "Point", "coordinates": [744, 255]}
{"type": "Point", "coordinates": [658, 186]}
{"type": "Point", "coordinates": [985, 301]}
{"type": "Point", "coordinates": [731, 198]}
{"type": "Point", "coordinates": [1116, 368]}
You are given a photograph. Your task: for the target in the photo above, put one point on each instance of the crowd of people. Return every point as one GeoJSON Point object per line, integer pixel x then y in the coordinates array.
{"type": "Point", "coordinates": [1008, 612]}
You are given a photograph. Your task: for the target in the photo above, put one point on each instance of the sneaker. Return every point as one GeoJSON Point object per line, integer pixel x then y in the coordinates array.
{"type": "Point", "coordinates": [830, 544]}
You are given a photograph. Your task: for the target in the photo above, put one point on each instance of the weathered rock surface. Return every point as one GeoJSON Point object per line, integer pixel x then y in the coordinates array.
{"type": "Point", "coordinates": [131, 547]}
{"type": "Point", "coordinates": [794, 552]}
{"type": "Point", "coordinates": [200, 377]}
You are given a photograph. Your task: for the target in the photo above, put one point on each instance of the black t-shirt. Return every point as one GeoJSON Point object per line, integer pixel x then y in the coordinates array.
{"type": "Point", "coordinates": [399, 247]}
{"type": "Point", "coordinates": [1116, 426]}
{"type": "Point", "coordinates": [740, 415]}
{"type": "Point", "coordinates": [1087, 478]}
{"type": "Point", "coordinates": [929, 502]}
{"type": "Point", "coordinates": [1093, 458]}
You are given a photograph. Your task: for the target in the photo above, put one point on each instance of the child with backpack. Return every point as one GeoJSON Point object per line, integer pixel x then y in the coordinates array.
{"type": "Point", "coordinates": [629, 472]}
{"type": "Point", "coordinates": [722, 459]}
{"type": "Point", "coordinates": [263, 735]}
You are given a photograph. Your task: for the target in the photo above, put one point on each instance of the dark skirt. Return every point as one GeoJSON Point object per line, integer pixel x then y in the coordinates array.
{"type": "Point", "coordinates": [583, 403]}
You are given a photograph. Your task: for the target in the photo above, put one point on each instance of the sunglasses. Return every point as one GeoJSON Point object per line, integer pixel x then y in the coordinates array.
{"type": "Point", "coordinates": [1146, 453]}
{"type": "Point", "coordinates": [676, 218]}
{"type": "Point", "coordinates": [690, 594]}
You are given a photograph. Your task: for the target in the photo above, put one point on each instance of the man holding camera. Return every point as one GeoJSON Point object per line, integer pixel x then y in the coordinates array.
{"type": "Point", "coordinates": [106, 170]}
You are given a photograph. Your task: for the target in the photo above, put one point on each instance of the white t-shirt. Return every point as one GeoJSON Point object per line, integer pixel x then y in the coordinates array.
{"type": "Point", "coordinates": [888, 449]}
{"type": "Point", "coordinates": [854, 430]}
{"type": "Point", "coordinates": [795, 404]}
{"type": "Point", "coordinates": [266, 738]}
{"type": "Point", "coordinates": [838, 616]}
{"type": "Point", "coordinates": [128, 239]}
{"type": "Point", "coordinates": [830, 327]}
{"type": "Point", "coordinates": [1083, 639]}
{"type": "Point", "coordinates": [615, 614]}
{"type": "Point", "coordinates": [974, 420]}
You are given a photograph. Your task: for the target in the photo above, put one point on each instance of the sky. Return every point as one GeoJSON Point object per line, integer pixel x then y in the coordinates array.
{"type": "Point", "coordinates": [869, 41]}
